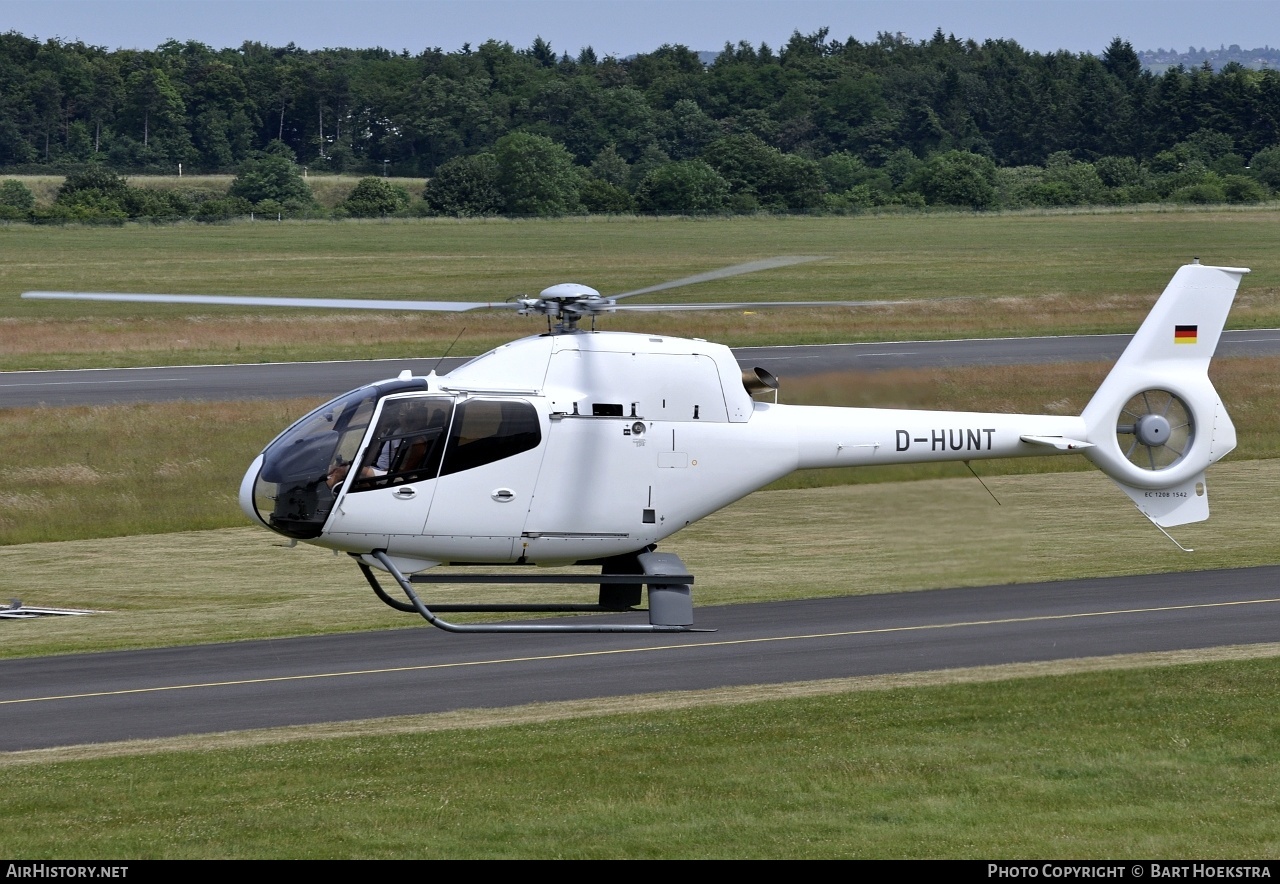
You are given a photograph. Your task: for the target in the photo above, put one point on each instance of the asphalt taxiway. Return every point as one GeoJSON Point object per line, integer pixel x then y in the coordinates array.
{"type": "Point", "coordinates": [161, 692]}
{"type": "Point", "coordinates": [301, 379]}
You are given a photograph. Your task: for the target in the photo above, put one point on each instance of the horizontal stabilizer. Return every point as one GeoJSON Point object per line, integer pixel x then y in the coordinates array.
{"type": "Point", "coordinates": [1062, 443]}
{"type": "Point", "coordinates": [1169, 507]}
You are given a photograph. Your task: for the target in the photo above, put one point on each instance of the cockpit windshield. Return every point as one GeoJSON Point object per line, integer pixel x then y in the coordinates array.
{"type": "Point", "coordinates": [417, 438]}
{"type": "Point", "coordinates": [294, 491]}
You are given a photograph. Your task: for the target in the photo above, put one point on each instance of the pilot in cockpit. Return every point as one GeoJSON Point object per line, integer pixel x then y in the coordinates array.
{"type": "Point", "coordinates": [407, 436]}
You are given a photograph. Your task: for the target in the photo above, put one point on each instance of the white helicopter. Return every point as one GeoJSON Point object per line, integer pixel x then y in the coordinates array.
{"type": "Point", "coordinates": [591, 447]}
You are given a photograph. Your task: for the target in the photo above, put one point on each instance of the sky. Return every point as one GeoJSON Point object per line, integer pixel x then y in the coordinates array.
{"type": "Point", "coordinates": [627, 27]}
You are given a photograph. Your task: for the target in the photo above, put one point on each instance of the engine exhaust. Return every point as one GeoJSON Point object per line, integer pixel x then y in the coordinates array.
{"type": "Point", "coordinates": [757, 380]}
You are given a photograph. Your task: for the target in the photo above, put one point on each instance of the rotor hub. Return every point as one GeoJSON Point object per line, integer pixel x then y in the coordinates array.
{"type": "Point", "coordinates": [1152, 430]}
{"type": "Point", "coordinates": [567, 303]}
{"type": "Point", "coordinates": [1155, 430]}
{"type": "Point", "coordinates": [568, 291]}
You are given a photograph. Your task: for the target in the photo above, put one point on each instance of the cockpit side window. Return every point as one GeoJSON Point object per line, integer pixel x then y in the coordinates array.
{"type": "Point", "coordinates": [485, 430]}
{"type": "Point", "coordinates": [406, 445]}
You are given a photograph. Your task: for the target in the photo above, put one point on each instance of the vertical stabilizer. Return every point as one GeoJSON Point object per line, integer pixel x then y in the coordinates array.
{"type": "Point", "coordinates": [1156, 422]}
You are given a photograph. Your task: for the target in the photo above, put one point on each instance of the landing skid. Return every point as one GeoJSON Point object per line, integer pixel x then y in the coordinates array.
{"type": "Point", "coordinates": [670, 596]}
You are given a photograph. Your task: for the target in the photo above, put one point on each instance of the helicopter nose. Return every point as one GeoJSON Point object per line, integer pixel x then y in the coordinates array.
{"type": "Point", "coordinates": [246, 491]}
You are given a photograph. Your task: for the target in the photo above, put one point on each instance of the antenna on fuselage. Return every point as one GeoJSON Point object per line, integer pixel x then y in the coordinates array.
{"type": "Point", "coordinates": [448, 350]}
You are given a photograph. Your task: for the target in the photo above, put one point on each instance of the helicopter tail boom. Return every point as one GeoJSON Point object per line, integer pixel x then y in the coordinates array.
{"type": "Point", "coordinates": [1154, 425]}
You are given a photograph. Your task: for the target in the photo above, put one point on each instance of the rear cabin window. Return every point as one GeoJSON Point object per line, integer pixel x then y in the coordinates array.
{"type": "Point", "coordinates": [485, 430]}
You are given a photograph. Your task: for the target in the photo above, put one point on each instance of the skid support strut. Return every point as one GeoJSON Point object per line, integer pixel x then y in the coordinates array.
{"type": "Point", "coordinates": [670, 597]}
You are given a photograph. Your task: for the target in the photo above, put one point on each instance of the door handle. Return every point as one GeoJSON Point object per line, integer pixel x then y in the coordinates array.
{"type": "Point", "coordinates": [404, 493]}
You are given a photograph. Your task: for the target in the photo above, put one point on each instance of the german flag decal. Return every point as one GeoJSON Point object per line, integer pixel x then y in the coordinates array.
{"type": "Point", "coordinates": [1184, 334]}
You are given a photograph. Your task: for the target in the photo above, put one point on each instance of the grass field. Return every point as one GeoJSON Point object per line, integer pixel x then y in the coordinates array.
{"type": "Point", "coordinates": [1013, 274]}
{"type": "Point", "coordinates": [1162, 762]}
{"type": "Point", "coordinates": [1158, 761]}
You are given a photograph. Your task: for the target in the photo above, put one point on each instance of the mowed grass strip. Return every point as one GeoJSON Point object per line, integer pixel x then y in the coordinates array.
{"type": "Point", "coordinates": [1180, 761]}
{"type": "Point", "coordinates": [245, 583]}
{"type": "Point", "coordinates": [1017, 274]}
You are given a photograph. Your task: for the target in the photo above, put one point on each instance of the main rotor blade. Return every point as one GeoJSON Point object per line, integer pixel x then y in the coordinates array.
{"type": "Point", "coordinates": [750, 305]}
{"type": "Point", "coordinates": [246, 301]}
{"type": "Point", "coordinates": [725, 272]}
{"type": "Point", "coordinates": [764, 305]}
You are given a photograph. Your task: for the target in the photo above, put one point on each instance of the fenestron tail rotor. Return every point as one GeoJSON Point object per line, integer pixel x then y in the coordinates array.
{"type": "Point", "coordinates": [1155, 430]}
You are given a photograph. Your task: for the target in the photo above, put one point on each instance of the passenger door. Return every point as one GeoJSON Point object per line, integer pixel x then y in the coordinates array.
{"type": "Point", "coordinates": [487, 478]}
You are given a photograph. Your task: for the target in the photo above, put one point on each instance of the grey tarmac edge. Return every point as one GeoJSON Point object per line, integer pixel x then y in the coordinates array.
{"type": "Point", "coordinates": [287, 380]}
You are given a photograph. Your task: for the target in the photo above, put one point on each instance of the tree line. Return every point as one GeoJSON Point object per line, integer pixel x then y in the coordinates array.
{"type": "Point", "coordinates": [817, 125]}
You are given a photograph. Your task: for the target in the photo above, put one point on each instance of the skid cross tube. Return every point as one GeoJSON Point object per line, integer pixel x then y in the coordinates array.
{"type": "Point", "coordinates": [674, 584]}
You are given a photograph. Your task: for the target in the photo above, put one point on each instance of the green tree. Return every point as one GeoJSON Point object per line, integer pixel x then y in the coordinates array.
{"type": "Point", "coordinates": [93, 194]}
{"type": "Point", "coordinates": [223, 208]}
{"type": "Point", "coordinates": [156, 111]}
{"type": "Point", "coordinates": [610, 167]}
{"type": "Point", "coordinates": [843, 170]}
{"type": "Point", "coordinates": [542, 52]}
{"type": "Point", "coordinates": [1079, 182]}
{"type": "Point", "coordinates": [1126, 180]}
{"type": "Point", "coordinates": [536, 176]}
{"type": "Point", "coordinates": [219, 110]}
{"type": "Point", "coordinates": [356, 108]}
{"type": "Point", "coordinates": [1207, 146]}
{"type": "Point", "coordinates": [797, 183]}
{"type": "Point", "coordinates": [689, 130]}
{"type": "Point", "coordinates": [157, 205]}
{"type": "Point", "coordinates": [850, 183]}
{"type": "Point", "coordinates": [759, 173]}
{"type": "Point", "coordinates": [44, 100]}
{"type": "Point", "coordinates": [850, 109]}
{"type": "Point", "coordinates": [689, 186]}
{"type": "Point", "coordinates": [1122, 62]}
{"type": "Point", "coordinates": [465, 187]}
{"type": "Point", "coordinates": [374, 198]}
{"type": "Point", "coordinates": [956, 178]}
{"type": "Point", "coordinates": [652, 157]}
{"type": "Point", "coordinates": [1209, 189]}
{"type": "Point", "coordinates": [901, 166]}
{"type": "Point", "coordinates": [601, 197]}
{"type": "Point", "coordinates": [744, 161]}
{"type": "Point", "coordinates": [1243, 189]}
{"type": "Point", "coordinates": [1119, 171]}
{"type": "Point", "coordinates": [16, 195]}
{"type": "Point", "coordinates": [272, 176]}
{"type": "Point", "coordinates": [93, 184]}
{"type": "Point", "coordinates": [1265, 166]}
